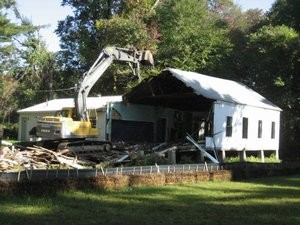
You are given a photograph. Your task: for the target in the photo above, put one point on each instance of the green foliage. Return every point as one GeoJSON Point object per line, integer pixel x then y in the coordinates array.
{"type": "Point", "coordinates": [7, 102]}
{"type": "Point", "coordinates": [99, 24]}
{"type": "Point", "coordinates": [132, 27]}
{"type": "Point", "coordinates": [286, 12]}
{"type": "Point", "coordinates": [9, 32]}
{"type": "Point", "coordinates": [122, 32]}
{"type": "Point", "coordinates": [273, 70]}
{"type": "Point", "coordinates": [190, 39]}
{"type": "Point", "coordinates": [232, 159]}
{"type": "Point", "coordinates": [254, 159]}
{"type": "Point", "coordinates": [25, 62]}
{"type": "Point", "coordinates": [7, 3]}
{"type": "Point", "coordinates": [10, 131]}
{"type": "Point", "coordinates": [149, 159]}
{"type": "Point", "coordinates": [81, 43]}
{"type": "Point", "coordinates": [39, 68]}
{"type": "Point", "coordinates": [272, 159]}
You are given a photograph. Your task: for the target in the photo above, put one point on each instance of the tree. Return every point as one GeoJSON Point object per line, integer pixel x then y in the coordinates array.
{"type": "Point", "coordinates": [286, 12]}
{"type": "Point", "coordinates": [273, 70]}
{"type": "Point", "coordinates": [100, 23]}
{"type": "Point", "coordinates": [38, 67]}
{"type": "Point", "coordinates": [9, 58]}
{"type": "Point", "coordinates": [7, 104]}
{"type": "Point", "coordinates": [80, 41]}
{"type": "Point", "coordinates": [234, 65]}
{"type": "Point", "coordinates": [133, 28]}
{"type": "Point", "coordinates": [8, 32]}
{"type": "Point", "coordinates": [192, 37]}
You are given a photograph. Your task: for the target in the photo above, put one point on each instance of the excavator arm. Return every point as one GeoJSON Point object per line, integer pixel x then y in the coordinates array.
{"type": "Point", "coordinates": [105, 59]}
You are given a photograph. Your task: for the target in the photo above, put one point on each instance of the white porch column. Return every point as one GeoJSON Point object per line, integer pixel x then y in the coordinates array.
{"type": "Point", "coordinates": [277, 154]}
{"type": "Point", "coordinates": [262, 155]}
{"type": "Point", "coordinates": [242, 156]}
{"type": "Point", "coordinates": [223, 157]}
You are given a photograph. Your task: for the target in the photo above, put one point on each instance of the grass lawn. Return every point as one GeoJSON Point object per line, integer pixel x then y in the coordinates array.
{"type": "Point", "coordinates": [260, 201]}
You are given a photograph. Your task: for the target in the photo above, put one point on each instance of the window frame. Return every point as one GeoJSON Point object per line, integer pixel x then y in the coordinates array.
{"type": "Point", "coordinates": [245, 123]}
{"type": "Point", "coordinates": [260, 129]}
{"type": "Point", "coordinates": [228, 131]}
{"type": "Point", "coordinates": [273, 129]}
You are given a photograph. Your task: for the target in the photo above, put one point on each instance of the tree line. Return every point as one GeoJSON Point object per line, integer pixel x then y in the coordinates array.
{"type": "Point", "coordinates": [213, 37]}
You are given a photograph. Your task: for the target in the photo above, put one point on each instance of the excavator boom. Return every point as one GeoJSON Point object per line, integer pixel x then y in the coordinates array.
{"type": "Point", "coordinates": [79, 123]}
{"type": "Point", "coordinates": [105, 59]}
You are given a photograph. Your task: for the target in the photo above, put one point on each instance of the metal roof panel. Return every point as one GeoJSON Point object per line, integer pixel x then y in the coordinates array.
{"type": "Point", "coordinates": [222, 89]}
{"type": "Point", "coordinates": [58, 104]}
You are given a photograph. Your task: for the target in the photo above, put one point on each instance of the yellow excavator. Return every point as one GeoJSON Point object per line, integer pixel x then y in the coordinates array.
{"type": "Point", "coordinates": [74, 128]}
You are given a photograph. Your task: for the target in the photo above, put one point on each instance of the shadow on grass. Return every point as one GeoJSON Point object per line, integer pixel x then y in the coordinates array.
{"type": "Point", "coordinates": [282, 181]}
{"type": "Point", "coordinates": [260, 201]}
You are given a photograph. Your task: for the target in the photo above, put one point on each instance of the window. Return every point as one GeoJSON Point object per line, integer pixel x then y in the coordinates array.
{"type": "Point", "coordinates": [273, 130]}
{"type": "Point", "coordinates": [229, 126]}
{"type": "Point", "coordinates": [259, 129]}
{"type": "Point", "coordinates": [245, 127]}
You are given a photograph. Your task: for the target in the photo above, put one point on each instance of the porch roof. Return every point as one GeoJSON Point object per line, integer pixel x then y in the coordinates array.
{"type": "Point", "coordinates": [58, 104]}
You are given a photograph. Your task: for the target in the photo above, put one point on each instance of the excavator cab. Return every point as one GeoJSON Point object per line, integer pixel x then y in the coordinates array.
{"type": "Point", "coordinates": [63, 125]}
{"type": "Point", "coordinates": [65, 112]}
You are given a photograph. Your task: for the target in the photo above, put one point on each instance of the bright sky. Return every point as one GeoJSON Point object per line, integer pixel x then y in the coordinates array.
{"type": "Point", "coordinates": [48, 12]}
{"type": "Point", "coordinates": [45, 12]}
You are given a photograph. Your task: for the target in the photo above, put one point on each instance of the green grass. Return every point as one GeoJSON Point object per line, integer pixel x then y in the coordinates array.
{"type": "Point", "coordinates": [260, 201]}
{"type": "Point", "coordinates": [254, 159]}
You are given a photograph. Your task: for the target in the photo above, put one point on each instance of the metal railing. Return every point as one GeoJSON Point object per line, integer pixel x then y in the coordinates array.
{"type": "Point", "coordinates": [43, 174]}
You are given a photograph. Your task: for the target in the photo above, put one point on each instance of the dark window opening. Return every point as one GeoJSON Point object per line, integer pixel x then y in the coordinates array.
{"type": "Point", "coordinates": [229, 126]}
{"type": "Point", "coordinates": [245, 127]}
{"type": "Point", "coordinates": [209, 128]}
{"type": "Point", "coordinates": [132, 131]}
{"type": "Point", "coordinates": [273, 130]}
{"type": "Point", "coordinates": [259, 129]}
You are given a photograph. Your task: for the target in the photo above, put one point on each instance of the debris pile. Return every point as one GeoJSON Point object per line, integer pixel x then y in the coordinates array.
{"type": "Point", "coordinates": [37, 157]}
{"type": "Point", "coordinates": [16, 158]}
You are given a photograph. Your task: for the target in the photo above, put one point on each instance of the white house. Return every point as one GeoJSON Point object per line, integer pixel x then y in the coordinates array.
{"type": "Point", "coordinates": [226, 114]}
{"type": "Point", "coordinates": [28, 117]}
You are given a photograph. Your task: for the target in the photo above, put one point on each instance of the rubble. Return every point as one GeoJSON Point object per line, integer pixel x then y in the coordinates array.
{"type": "Point", "coordinates": [37, 157]}
{"type": "Point", "coordinates": [16, 158]}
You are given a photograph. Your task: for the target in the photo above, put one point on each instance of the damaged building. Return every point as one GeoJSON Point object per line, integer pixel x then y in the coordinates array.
{"type": "Point", "coordinates": [224, 115]}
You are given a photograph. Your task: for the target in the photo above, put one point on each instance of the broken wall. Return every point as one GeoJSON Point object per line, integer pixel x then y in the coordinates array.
{"type": "Point", "coordinates": [139, 123]}
{"type": "Point", "coordinates": [144, 123]}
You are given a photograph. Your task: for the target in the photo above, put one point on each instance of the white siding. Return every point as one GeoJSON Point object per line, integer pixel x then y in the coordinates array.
{"type": "Point", "coordinates": [236, 142]}
{"type": "Point", "coordinates": [101, 124]}
{"type": "Point", "coordinates": [29, 120]}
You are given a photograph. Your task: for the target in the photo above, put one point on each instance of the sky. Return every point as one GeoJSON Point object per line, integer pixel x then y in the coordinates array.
{"type": "Point", "coordinates": [45, 12]}
{"type": "Point", "coordinates": [49, 12]}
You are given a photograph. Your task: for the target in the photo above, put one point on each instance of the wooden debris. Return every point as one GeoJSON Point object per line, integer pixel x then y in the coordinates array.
{"type": "Point", "coordinates": [15, 158]}
{"type": "Point", "coordinates": [37, 157]}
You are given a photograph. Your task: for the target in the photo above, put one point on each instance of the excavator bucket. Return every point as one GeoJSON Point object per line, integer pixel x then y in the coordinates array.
{"type": "Point", "coordinates": [147, 58]}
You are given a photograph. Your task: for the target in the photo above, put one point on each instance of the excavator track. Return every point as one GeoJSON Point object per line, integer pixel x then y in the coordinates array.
{"type": "Point", "coordinates": [86, 149]}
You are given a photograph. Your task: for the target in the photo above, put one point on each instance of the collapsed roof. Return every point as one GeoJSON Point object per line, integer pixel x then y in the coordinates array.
{"type": "Point", "coordinates": [185, 90]}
